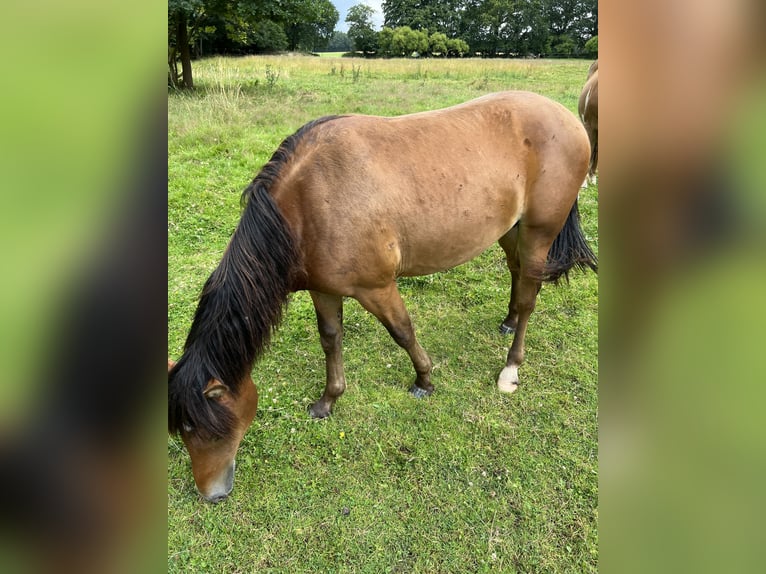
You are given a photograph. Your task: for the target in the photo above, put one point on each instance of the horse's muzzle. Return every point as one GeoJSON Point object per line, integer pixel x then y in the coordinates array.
{"type": "Point", "coordinates": [221, 488]}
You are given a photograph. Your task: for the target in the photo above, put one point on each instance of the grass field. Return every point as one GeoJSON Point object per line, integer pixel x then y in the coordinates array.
{"type": "Point", "coordinates": [466, 480]}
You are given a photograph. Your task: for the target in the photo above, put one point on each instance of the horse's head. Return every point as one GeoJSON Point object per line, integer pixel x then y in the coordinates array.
{"type": "Point", "coordinates": [212, 453]}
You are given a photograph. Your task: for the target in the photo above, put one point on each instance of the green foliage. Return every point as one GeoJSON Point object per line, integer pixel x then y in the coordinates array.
{"type": "Point", "coordinates": [502, 27]}
{"type": "Point", "coordinates": [437, 44]}
{"type": "Point", "coordinates": [457, 48]}
{"type": "Point", "coordinates": [360, 30]}
{"type": "Point", "coordinates": [245, 26]}
{"type": "Point", "coordinates": [386, 41]}
{"type": "Point", "coordinates": [591, 47]}
{"type": "Point", "coordinates": [577, 19]}
{"type": "Point", "coordinates": [309, 24]}
{"type": "Point", "coordinates": [405, 42]}
{"type": "Point", "coordinates": [267, 36]}
{"type": "Point", "coordinates": [340, 42]}
{"type": "Point", "coordinates": [563, 46]}
{"type": "Point", "coordinates": [438, 15]}
{"type": "Point", "coordinates": [414, 42]}
{"type": "Point", "coordinates": [557, 28]}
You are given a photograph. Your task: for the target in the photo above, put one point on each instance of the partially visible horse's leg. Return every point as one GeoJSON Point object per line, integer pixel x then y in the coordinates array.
{"type": "Point", "coordinates": [593, 165]}
{"type": "Point", "coordinates": [533, 249]}
{"type": "Point", "coordinates": [329, 309]}
{"type": "Point", "coordinates": [387, 305]}
{"type": "Point", "coordinates": [508, 242]}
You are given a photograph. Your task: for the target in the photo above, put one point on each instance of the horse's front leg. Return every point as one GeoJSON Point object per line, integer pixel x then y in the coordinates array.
{"type": "Point", "coordinates": [329, 309]}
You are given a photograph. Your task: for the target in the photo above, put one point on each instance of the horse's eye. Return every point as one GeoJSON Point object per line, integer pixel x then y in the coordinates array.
{"type": "Point", "coordinates": [187, 427]}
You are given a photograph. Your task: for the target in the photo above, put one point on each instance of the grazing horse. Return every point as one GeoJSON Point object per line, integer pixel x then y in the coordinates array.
{"type": "Point", "coordinates": [345, 206]}
{"type": "Point", "coordinates": [588, 109]}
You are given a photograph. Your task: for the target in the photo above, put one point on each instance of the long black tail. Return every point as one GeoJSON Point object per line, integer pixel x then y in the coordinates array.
{"type": "Point", "coordinates": [569, 249]}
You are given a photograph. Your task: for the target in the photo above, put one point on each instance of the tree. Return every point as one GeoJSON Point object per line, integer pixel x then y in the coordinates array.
{"type": "Point", "coordinates": [405, 41]}
{"type": "Point", "coordinates": [563, 46]}
{"type": "Point", "coordinates": [492, 26]}
{"type": "Point", "coordinates": [524, 27]}
{"type": "Point", "coordinates": [340, 42]}
{"type": "Point", "coordinates": [434, 15]}
{"type": "Point", "coordinates": [188, 19]}
{"type": "Point", "coordinates": [591, 47]}
{"type": "Point", "coordinates": [456, 47]}
{"type": "Point", "coordinates": [308, 23]}
{"type": "Point", "coordinates": [573, 21]}
{"type": "Point", "coordinates": [360, 30]}
{"type": "Point", "coordinates": [437, 44]}
{"type": "Point", "coordinates": [181, 13]}
{"type": "Point", "coordinates": [386, 41]}
{"type": "Point", "coordinates": [267, 36]}
{"type": "Point", "coordinates": [243, 26]}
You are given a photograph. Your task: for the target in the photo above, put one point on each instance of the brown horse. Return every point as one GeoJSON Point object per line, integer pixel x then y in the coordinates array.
{"type": "Point", "coordinates": [348, 204]}
{"type": "Point", "coordinates": [588, 109]}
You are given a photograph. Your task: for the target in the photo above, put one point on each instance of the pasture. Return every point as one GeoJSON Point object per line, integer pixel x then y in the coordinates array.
{"type": "Point", "coordinates": [467, 480]}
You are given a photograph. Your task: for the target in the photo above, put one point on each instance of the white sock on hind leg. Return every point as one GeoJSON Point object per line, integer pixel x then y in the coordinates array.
{"type": "Point", "coordinates": [508, 381]}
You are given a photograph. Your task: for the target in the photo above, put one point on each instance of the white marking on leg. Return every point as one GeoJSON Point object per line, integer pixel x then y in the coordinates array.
{"type": "Point", "coordinates": [508, 381]}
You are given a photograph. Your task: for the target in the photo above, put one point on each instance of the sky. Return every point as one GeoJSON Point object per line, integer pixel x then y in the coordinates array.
{"type": "Point", "coordinates": [343, 6]}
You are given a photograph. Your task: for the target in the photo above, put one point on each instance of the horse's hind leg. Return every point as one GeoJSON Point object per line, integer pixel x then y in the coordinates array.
{"type": "Point", "coordinates": [387, 305]}
{"type": "Point", "coordinates": [509, 242]}
{"type": "Point", "coordinates": [329, 309]}
{"type": "Point", "coordinates": [533, 246]}
{"type": "Point", "coordinates": [593, 165]}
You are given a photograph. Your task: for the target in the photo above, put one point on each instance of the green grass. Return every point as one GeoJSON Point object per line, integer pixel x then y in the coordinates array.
{"type": "Point", "coordinates": [466, 480]}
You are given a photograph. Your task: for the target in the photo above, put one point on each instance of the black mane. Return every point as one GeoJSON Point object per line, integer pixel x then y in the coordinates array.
{"type": "Point", "coordinates": [240, 305]}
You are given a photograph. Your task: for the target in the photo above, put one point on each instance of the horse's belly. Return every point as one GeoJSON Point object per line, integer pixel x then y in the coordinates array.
{"type": "Point", "coordinates": [450, 245]}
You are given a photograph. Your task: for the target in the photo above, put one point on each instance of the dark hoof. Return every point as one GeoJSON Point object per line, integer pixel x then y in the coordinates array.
{"type": "Point", "coordinates": [506, 330]}
{"type": "Point", "coordinates": [318, 411]}
{"type": "Point", "coordinates": [419, 392]}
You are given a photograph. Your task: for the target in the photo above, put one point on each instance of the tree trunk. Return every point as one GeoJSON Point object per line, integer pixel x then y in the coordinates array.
{"type": "Point", "coordinates": [182, 45]}
{"type": "Point", "coordinates": [172, 68]}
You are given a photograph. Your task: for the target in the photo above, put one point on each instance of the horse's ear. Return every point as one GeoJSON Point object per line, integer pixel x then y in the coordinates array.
{"type": "Point", "coordinates": [215, 390]}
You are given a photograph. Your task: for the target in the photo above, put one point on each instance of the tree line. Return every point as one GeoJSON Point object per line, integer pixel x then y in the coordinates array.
{"type": "Point", "coordinates": [518, 28]}
{"type": "Point", "coordinates": [198, 28]}
{"type": "Point", "coordinates": [446, 28]}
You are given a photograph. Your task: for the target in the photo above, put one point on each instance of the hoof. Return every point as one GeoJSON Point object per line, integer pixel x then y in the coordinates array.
{"type": "Point", "coordinates": [507, 388]}
{"type": "Point", "coordinates": [506, 330]}
{"type": "Point", "coordinates": [319, 411]}
{"type": "Point", "coordinates": [419, 392]}
{"type": "Point", "coordinates": [508, 381]}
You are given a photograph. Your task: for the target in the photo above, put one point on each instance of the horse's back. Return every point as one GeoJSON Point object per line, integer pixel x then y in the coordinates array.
{"type": "Point", "coordinates": [374, 198]}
